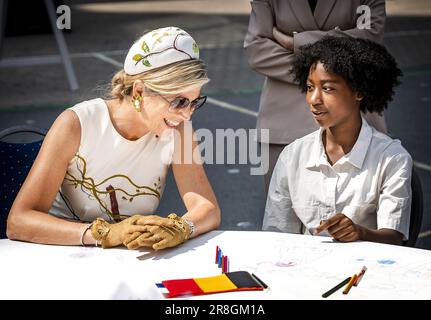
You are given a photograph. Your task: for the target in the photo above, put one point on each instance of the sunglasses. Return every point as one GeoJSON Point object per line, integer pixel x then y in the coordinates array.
{"type": "Point", "coordinates": [182, 103]}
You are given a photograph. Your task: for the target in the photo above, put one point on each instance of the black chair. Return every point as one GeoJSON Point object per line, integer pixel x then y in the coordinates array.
{"type": "Point", "coordinates": [16, 159]}
{"type": "Point", "coordinates": [416, 212]}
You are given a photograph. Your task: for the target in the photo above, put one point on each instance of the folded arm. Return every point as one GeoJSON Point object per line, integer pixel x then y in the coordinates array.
{"type": "Point", "coordinates": [271, 54]}
{"type": "Point", "coordinates": [265, 54]}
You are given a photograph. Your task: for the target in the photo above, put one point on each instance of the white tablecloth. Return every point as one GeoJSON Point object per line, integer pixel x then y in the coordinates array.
{"type": "Point", "coordinates": [293, 266]}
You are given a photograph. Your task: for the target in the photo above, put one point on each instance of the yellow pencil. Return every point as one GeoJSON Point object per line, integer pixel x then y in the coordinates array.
{"type": "Point", "coordinates": [350, 284]}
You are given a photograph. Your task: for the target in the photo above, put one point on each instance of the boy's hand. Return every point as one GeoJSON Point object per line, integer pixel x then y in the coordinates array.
{"type": "Point", "coordinates": [341, 228]}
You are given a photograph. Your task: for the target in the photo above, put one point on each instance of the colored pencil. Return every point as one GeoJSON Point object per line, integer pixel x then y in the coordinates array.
{"type": "Point", "coordinates": [337, 287]}
{"type": "Point", "coordinates": [350, 284]}
{"type": "Point", "coordinates": [360, 275]}
{"type": "Point", "coordinates": [220, 255]}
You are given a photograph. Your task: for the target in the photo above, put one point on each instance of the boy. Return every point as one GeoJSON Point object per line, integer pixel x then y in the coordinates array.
{"type": "Point", "coordinates": [346, 178]}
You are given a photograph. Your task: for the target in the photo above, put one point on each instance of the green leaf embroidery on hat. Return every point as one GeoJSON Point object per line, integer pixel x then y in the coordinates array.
{"type": "Point", "coordinates": [146, 63]}
{"type": "Point", "coordinates": [195, 47]}
{"type": "Point", "coordinates": [137, 57]}
{"type": "Point", "coordinates": [145, 47]}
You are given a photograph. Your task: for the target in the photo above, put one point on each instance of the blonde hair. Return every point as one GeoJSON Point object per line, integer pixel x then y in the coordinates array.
{"type": "Point", "coordinates": [171, 79]}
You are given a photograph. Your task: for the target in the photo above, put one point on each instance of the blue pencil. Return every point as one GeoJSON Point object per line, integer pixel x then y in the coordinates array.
{"type": "Point", "coordinates": [219, 258]}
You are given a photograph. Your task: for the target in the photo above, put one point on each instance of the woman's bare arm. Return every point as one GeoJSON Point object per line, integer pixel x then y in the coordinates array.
{"type": "Point", "coordinates": [28, 218]}
{"type": "Point", "coordinates": [195, 189]}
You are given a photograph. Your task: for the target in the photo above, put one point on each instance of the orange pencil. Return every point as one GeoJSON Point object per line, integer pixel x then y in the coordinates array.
{"type": "Point", "coordinates": [350, 284]}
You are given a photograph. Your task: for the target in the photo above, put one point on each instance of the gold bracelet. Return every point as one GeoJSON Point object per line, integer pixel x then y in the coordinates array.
{"type": "Point", "coordinates": [185, 226]}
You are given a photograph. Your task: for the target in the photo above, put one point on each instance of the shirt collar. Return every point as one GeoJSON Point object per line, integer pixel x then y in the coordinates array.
{"type": "Point", "coordinates": [356, 156]}
{"type": "Point", "coordinates": [317, 155]}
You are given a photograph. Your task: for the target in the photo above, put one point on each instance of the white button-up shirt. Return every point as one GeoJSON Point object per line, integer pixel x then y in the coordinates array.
{"type": "Point", "coordinates": [371, 184]}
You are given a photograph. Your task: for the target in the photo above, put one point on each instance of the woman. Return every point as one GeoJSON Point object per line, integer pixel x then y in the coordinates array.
{"type": "Point", "coordinates": [110, 158]}
{"type": "Point", "coordinates": [346, 179]}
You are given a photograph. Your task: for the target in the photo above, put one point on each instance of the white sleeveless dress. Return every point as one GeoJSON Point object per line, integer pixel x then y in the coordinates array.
{"type": "Point", "coordinates": [112, 177]}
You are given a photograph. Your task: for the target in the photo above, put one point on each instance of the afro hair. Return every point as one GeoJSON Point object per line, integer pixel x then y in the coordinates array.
{"type": "Point", "coordinates": [366, 66]}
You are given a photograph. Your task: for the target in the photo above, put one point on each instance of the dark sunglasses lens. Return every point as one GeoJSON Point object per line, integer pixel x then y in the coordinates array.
{"type": "Point", "coordinates": [179, 103]}
{"type": "Point", "coordinates": [199, 102]}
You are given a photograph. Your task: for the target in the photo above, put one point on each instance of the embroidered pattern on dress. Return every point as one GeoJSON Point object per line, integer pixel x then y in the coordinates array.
{"type": "Point", "coordinates": [94, 190]}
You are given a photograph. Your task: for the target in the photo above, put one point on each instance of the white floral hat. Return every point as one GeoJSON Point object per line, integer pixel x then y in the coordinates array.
{"type": "Point", "coordinates": [159, 48]}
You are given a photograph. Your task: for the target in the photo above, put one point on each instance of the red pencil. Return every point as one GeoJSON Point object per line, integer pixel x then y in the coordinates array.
{"type": "Point", "coordinates": [360, 275]}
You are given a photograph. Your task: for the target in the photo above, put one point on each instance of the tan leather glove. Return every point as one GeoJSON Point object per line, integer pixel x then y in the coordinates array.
{"type": "Point", "coordinates": [146, 238]}
{"type": "Point", "coordinates": [164, 236]}
{"type": "Point", "coordinates": [112, 235]}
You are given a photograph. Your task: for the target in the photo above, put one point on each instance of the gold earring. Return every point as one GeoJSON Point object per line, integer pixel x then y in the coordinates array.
{"type": "Point", "coordinates": [136, 101]}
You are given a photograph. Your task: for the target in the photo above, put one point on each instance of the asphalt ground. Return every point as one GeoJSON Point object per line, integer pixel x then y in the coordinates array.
{"type": "Point", "coordinates": [37, 94]}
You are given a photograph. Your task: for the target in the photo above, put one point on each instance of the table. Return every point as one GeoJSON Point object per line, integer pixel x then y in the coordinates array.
{"type": "Point", "coordinates": [293, 266]}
